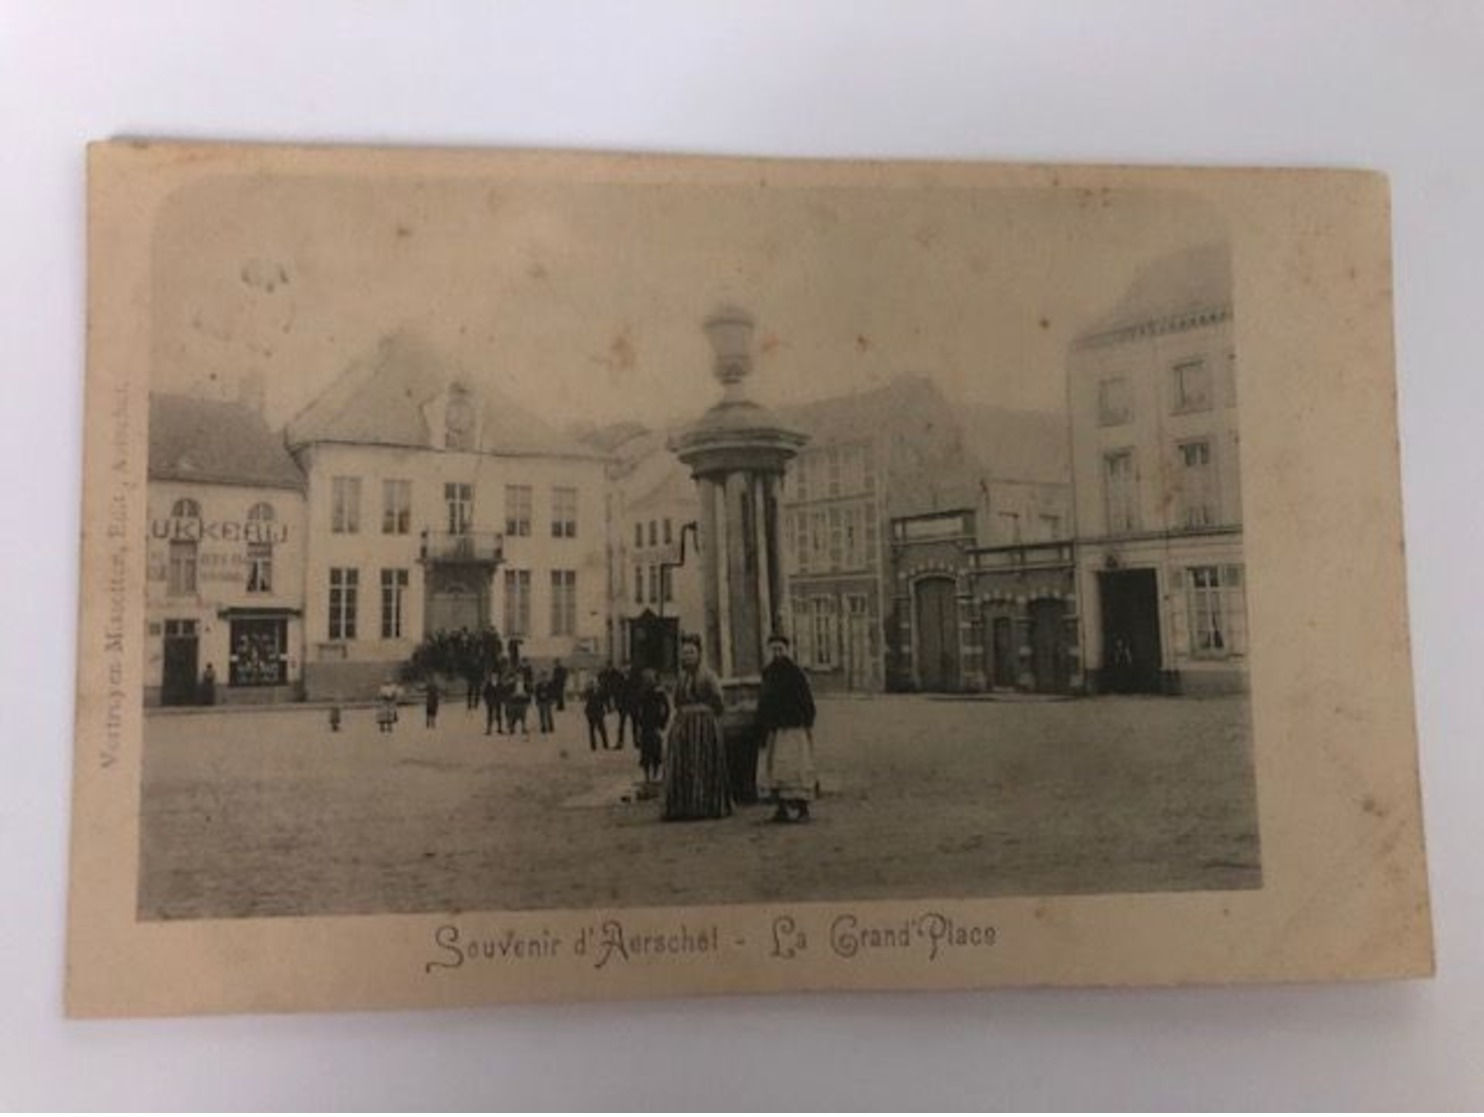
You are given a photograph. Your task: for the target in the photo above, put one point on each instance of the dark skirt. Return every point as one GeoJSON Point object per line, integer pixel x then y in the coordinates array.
{"type": "Point", "coordinates": [651, 748]}
{"type": "Point", "coordinates": [696, 777]}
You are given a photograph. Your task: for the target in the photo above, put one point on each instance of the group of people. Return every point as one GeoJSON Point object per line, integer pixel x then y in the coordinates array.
{"type": "Point", "coordinates": [508, 696]}
{"type": "Point", "coordinates": [698, 777]}
{"type": "Point", "coordinates": [643, 708]}
{"type": "Point", "coordinates": [680, 737]}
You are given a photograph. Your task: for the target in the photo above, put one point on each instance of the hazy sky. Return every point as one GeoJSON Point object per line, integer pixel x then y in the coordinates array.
{"type": "Point", "coordinates": [584, 301]}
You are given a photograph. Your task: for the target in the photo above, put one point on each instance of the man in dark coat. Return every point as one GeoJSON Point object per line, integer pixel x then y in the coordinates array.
{"type": "Point", "coordinates": [595, 706]}
{"type": "Point", "coordinates": [559, 684]}
{"type": "Point", "coordinates": [785, 711]}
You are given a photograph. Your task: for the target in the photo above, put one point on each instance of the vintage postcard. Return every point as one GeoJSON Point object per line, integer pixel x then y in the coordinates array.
{"type": "Point", "coordinates": [534, 576]}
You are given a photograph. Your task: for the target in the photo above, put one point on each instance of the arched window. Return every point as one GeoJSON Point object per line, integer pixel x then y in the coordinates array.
{"type": "Point", "coordinates": [261, 512]}
{"type": "Point", "coordinates": [186, 509]}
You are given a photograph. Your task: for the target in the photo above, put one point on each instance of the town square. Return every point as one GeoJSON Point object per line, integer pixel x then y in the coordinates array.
{"type": "Point", "coordinates": [270, 813]}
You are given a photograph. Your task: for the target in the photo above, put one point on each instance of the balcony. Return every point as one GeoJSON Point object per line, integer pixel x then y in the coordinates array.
{"type": "Point", "coordinates": [474, 548]}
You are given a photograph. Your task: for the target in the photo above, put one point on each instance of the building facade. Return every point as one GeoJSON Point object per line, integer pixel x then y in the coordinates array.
{"type": "Point", "coordinates": [434, 503]}
{"type": "Point", "coordinates": [655, 590]}
{"type": "Point", "coordinates": [224, 590]}
{"type": "Point", "coordinates": [987, 602]}
{"type": "Point", "coordinates": [1157, 482]}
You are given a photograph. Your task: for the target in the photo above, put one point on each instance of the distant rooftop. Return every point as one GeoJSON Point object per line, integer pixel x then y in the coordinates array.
{"type": "Point", "coordinates": [379, 400]}
{"type": "Point", "coordinates": [218, 442]}
{"type": "Point", "coordinates": [1184, 282]}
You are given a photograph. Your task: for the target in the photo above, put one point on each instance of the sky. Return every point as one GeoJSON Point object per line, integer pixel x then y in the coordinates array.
{"type": "Point", "coordinates": [583, 300]}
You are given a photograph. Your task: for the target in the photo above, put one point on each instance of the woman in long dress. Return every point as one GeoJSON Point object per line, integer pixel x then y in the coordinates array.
{"type": "Point", "coordinates": [696, 780]}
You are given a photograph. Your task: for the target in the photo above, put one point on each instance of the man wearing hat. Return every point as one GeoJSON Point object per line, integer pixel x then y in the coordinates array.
{"type": "Point", "coordinates": [785, 709]}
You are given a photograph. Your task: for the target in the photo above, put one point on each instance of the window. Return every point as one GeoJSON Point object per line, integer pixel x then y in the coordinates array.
{"type": "Point", "coordinates": [259, 652]}
{"type": "Point", "coordinates": [181, 578]}
{"type": "Point", "coordinates": [667, 584]}
{"type": "Point", "coordinates": [803, 632]}
{"type": "Point", "coordinates": [801, 476]}
{"type": "Point", "coordinates": [459, 500]}
{"type": "Point", "coordinates": [1191, 386]}
{"type": "Point", "coordinates": [1050, 527]}
{"type": "Point", "coordinates": [260, 568]}
{"type": "Point", "coordinates": [1213, 596]}
{"type": "Point", "coordinates": [260, 548]}
{"type": "Point", "coordinates": [1198, 506]}
{"type": "Point", "coordinates": [564, 513]}
{"type": "Point", "coordinates": [518, 510]}
{"type": "Point", "coordinates": [669, 532]}
{"type": "Point", "coordinates": [853, 517]}
{"type": "Point", "coordinates": [819, 540]}
{"type": "Point", "coordinates": [868, 470]}
{"type": "Point", "coordinates": [638, 535]}
{"type": "Point", "coordinates": [1114, 405]}
{"type": "Point", "coordinates": [654, 538]}
{"type": "Point", "coordinates": [837, 539]}
{"type": "Point", "coordinates": [824, 632]}
{"type": "Point", "coordinates": [832, 467]}
{"type": "Point", "coordinates": [798, 540]}
{"type": "Point", "coordinates": [396, 507]}
{"type": "Point", "coordinates": [1120, 491]}
{"type": "Point", "coordinates": [638, 585]}
{"type": "Point", "coordinates": [393, 595]}
{"type": "Point", "coordinates": [564, 603]}
{"type": "Point", "coordinates": [654, 584]}
{"type": "Point", "coordinates": [1009, 526]}
{"type": "Point", "coordinates": [517, 602]}
{"type": "Point", "coordinates": [345, 505]}
{"type": "Point", "coordinates": [344, 586]}
{"type": "Point", "coordinates": [185, 509]}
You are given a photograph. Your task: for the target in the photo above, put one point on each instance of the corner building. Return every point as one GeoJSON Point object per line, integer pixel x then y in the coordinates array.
{"type": "Point", "coordinates": [1157, 485]}
{"type": "Point", "coordinates": [224, 578]}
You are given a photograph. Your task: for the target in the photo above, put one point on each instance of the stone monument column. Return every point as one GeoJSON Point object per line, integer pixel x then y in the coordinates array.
{"type": "Point", "coordinates": [737, 453]}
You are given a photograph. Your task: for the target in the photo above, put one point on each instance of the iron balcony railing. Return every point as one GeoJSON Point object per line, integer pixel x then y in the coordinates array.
{"type": "Point", "coordinates": [474, 547]}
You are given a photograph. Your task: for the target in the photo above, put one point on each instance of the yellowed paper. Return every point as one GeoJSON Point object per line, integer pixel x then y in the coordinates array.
{"type": "Point", "coordinates": [1081, 517]}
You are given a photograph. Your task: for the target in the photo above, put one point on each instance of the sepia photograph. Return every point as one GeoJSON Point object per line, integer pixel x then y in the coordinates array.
{"type": "Point", "coordinates": [528, 547]}
{"type": "Point", "coordinates": [526, 575]}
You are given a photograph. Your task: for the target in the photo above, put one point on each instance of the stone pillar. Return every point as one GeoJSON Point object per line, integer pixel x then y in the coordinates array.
{"type": "Point", "coordinates": [738, 452]}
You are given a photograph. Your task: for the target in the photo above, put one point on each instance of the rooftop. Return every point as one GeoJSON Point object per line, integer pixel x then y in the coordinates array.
{"type": "Point", "coordinates": [215, 441]}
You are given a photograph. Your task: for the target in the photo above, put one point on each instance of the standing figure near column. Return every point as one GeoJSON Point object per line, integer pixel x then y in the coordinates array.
{"type": "Point", "coordinates": [785, 711]}
{"type": "Point", "coordinates": [651, 715]}
{"type": "Point", "coordinates": [696, 784]}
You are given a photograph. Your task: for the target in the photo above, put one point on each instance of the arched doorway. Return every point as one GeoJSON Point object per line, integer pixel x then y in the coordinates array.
{"type": "Point", "coordinates": [1048, 651]}
{"type": "Point", "coordinates": [935, 609]}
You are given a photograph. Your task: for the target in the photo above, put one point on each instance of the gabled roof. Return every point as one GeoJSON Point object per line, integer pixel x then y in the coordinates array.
{"type": "Point", "coordinates": [1185, 282]}
{"type": "Point", "coordinates": [862, 415]}
{"type": "Point", "coordinates": [1012, 445]}
{"type": "Point", "coordinates": [216, 442]}
{"type": "Point", "coordinates": [379, 401]}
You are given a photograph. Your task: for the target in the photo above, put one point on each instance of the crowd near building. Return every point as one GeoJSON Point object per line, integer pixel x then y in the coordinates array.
{"type": "Point", "coordinates": [928, 544]}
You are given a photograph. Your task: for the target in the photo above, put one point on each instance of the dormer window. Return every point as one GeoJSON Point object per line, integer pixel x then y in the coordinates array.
{"type": "Point", "coordinates": [459, 420]}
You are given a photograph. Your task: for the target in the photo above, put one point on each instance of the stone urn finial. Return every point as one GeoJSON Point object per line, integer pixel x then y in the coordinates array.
{"type": "Point", "coordinates": [729, 329]}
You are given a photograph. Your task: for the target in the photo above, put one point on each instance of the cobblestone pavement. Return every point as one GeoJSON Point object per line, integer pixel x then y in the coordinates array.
{"type": "Point", "coordinates": [269, 813]}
